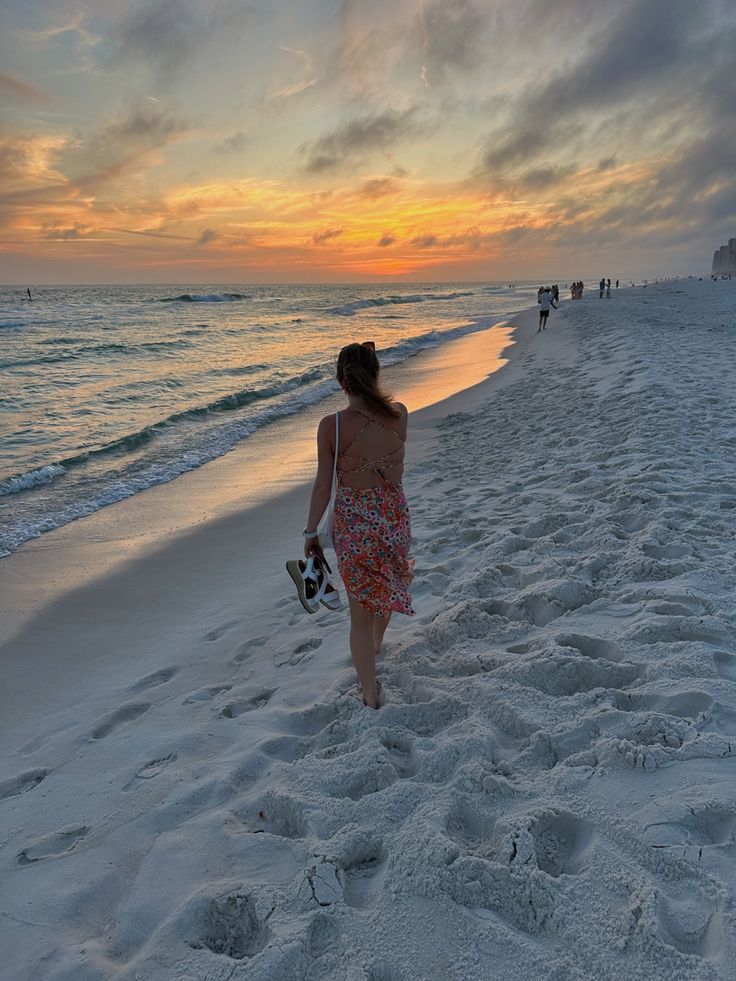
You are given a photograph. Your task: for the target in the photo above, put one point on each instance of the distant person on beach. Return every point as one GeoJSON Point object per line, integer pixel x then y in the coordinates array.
{"type": "Point", "coordinates": [372, 530]}
{"type": "Point", "coordinates": [545, 301]}
{"type": "Point", "coordinates": [556, 293]}
{"type": "Point", "coordinates": [616, 284]}
{"type": "Point", "coordinates": [608, 288]}
{"type": "Point", "coordinates": [28, 291]}
{"type": "Point", "coordinates": [601, 289]}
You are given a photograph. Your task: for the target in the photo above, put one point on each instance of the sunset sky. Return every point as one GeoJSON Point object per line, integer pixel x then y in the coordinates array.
{"type": "Point", "coordinates": [349, 140]}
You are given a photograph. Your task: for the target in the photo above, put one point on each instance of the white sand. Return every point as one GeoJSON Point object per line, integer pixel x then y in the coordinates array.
{"type": "Point", "coordinates": [190, 789]}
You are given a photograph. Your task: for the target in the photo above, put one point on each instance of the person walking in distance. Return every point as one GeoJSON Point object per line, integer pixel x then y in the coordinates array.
{"type": "Point", "coordinates": [545, 301]}
{"type": "Point", "coordinates": [601, 289]}
{"type": "Point", "coordinates": [608, 289]}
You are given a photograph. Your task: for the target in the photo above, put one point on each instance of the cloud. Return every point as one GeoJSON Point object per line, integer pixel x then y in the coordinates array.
{"type": "Point", "coordinates": [454, 38]}
{"type": "Point", "coordinates": [539, 178]}
{"type": "Point", "coordinates": [424, 242]}
{"type": "Point", "coordinates": [16, 88]}
{"type": "Point", "coordinates": [363, 135]}
{"type": "Point", "coordinates": [319, 238]}
{"type": "Point", "coordinates": [232, 144]}
{"type": "Point", "coordinates": [53, 234]}
{"type": "Point", "coordinates": [378, 187]}
{"type": "Point", "coordinates": [107, 153]}
{"type": "Point", "coordinates": [386, 240]}
{"type": "Point", "coordinates": [649, 46]}
{"type": "Point", "coordinates": [167, 34]}
{"type": "Point", "coordinates": [207, 236]}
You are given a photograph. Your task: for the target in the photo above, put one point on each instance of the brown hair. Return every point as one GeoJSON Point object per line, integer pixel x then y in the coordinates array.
{"type": "Point", "coordinates": [357, 368]}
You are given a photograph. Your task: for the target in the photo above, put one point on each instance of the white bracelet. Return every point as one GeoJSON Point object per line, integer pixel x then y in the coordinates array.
{"type": "Point", "coordinates": [310, 534]}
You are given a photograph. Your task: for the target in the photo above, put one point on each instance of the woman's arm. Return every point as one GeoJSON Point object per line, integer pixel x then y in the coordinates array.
{"type": "Point", "coordinates": [322, 482]}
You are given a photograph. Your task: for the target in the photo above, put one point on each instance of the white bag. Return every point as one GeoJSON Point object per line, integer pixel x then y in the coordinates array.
{"type": "Point", "coordinates": [327, 524]}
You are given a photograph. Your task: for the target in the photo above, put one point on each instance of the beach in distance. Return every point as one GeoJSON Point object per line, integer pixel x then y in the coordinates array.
{"type": "Point", "coordinates": [190, 784]}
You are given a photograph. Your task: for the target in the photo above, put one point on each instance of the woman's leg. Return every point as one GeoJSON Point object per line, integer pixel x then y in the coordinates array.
{"type": "Point", "coordinates": [379, 629]}
{"type": "Point", "coordinates": [362, 650]}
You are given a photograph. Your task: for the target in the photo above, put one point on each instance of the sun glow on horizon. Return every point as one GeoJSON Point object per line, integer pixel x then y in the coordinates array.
{"type": "Point", "coordinates": [353, 152]}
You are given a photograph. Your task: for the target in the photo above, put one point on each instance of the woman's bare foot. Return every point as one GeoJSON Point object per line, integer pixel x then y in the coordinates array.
{"type": "Point", "coordinates": [370, 699]}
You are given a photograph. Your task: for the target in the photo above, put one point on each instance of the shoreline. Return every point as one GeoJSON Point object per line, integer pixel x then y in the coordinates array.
{"type": "Point", "coordinates": [65, 558]}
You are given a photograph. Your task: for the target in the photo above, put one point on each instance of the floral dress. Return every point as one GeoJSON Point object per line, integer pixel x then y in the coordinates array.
{"type": "Point", "coordinates": [372, 536]}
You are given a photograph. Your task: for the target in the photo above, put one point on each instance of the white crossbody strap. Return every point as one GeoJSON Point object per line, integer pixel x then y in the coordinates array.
{"type": "Point", "coordinates": [337, 451]}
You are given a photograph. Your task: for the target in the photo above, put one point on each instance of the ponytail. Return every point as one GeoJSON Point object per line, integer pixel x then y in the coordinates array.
{"type": "Point", "coordinates": [357, 368]}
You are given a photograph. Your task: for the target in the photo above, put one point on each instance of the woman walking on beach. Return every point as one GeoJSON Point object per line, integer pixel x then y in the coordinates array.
{"type": "Point", "coordinates": [372, 531]}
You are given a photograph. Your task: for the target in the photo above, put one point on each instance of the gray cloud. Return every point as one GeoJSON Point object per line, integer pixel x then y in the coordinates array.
{"type": "Point", "coordinates": [379, 187]}
{"type": "Point", "coordinates": [232, 144]}
{"type": "Point", "coordinates": [539, 178]}
{"type": "Point", "coordinates": [319, 238]}
{"type": "Point", "coordinates": [659, 80]}
{"type": "Point", "coordinates": [424, 241]}
{"type": "Point", "coordinates": [56, 234]}
{"type": "Point", "coordinates": [166, 34]}
{"type": "Point", "coordinates": [17, 89]}
{"type": "Point", "coordinates": [649, 45]}
{"type": "Point", "coordinates": [455, 37]}
{"type": "Point", "coordinates": [386, 240]}
{"type": "Point", "coordinates": [362, 135]}
{"type": "Point", "coordinates": [108, 152]}
{"type": "Point", "coordinates": [207, 236]}
{"type": "Point", "coordinates": [471, 238]}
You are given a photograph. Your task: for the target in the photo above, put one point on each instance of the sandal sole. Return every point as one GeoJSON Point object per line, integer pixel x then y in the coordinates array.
{"type": "Point", "coordinates": [292, 567]}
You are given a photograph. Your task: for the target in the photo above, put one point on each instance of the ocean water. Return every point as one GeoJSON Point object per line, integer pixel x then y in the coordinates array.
{"type": "Point", "coordinates": [107, 390]}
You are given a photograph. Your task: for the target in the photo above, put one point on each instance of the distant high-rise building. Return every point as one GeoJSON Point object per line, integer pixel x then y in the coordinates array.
{"type": "Point", "coordinates": [724, 259]}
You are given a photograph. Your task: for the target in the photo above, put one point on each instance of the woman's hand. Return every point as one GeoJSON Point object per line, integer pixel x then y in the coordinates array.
{"type": "Point", "coordinates": [313, 547]}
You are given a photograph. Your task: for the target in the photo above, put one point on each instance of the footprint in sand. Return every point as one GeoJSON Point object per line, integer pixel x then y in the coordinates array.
{"type": "Point", "coordinates": [286, 749]}
{"type": "Point", "coordinates": [674, 629]}
{"type": "Point", "coordinates": [562, 842]}
{"type": "Point", "coordinates": [470, 826]}
{"type": "Point", "coordinates": [317, 717]}
{"type": "Point", "coordinates": [218, 632]}
{"type": "Point", "coordinates": [725, 664]}
{"type": "Point", "coordinates": [22, 783]}
{"type": "Point", "coordinates": [593, 647]}
{"type": "Point", "coordinates": [239, 707]}
{"type": "Point", "coordinates": [558, 842]}
{"type": "Point", "coordinates": [367, 780]}
{"type": "Point", "coordinates": [205, 694]}
{"type": "Point", "coordinates": [301, 652]}
{"type": "Point", "coordinates": [400, 752]}
{"type": "Point", "coordinates": [322, 935]}
{"type": "Point", "coordinates": [683, 705]}
{"type": "Point", "coordinates": [278, 814]}
{"type": "Point", "coordinates": [363, 870]}
{"type": "Point", "coordinates": [673, 551]}
{"type": "Point", "coordinates": [248, 649]}
{"type": "Point", "coordinates": [667, 609]}
{"type": "Point", "coordinates": [701, 826]}
{"type": "Point", "coordinates": [53, 845]}
{"type": "Point", "coordinates": [154, 767]}
{"type": "Point", "coordinates": [559, 674]}
{"type": "Point", "coordinates": [231, 927]}
{"type": "Point", "coordinates": [694, 925]}
{"type": "Point", "coordinates": [121, 716]}
{"type": "Point", "coordinates": [151, 680]}
{"type": "Point", "coordinates": [425, 718]}
{"type": "Point", "coordinates": [151, 769]}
